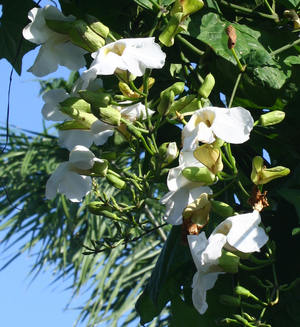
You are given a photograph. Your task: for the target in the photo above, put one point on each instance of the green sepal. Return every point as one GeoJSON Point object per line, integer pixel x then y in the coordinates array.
{"type": "Point", "coordinates": [76, 103]}
{"type": "Point", "coordinates": [82, 117]}
{"type": "Point", "coordinates": [97, 26]}
{"type": "Point", "coordinates": [173, 28]}
{"type": "Point", "coordinates": [99, 98]}
{"type": "Point", "coordinates": [60, 26]}
{"type": "Point", "coordinates": [69, 125]}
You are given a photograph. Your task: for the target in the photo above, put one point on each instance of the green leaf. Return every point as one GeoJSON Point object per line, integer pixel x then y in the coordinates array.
{"type": "Point", "coordinates": [290, 4]}
{"type": "Point", "coordinates": [12, 44]}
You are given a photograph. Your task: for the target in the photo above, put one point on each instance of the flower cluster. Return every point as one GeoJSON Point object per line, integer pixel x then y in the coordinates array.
{"type": "Point", "coordinates": [93, 112]}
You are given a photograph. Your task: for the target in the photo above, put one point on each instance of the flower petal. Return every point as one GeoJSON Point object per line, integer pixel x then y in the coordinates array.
{"type": "Point", "coordinates": [50, 109]}
{"type": "Point", "coordinates": [69, 139]}
{"type": "Point", "coordinates": [55, 179]}
{"type": "Point", "coordinates": [81, 157]}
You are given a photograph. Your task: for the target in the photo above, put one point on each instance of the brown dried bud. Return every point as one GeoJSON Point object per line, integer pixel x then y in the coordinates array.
{"type": "Point", "coordinates": [230, 31]}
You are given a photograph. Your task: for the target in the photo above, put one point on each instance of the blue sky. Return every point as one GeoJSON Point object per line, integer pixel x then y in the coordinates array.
{"type": "Point", "coordinates": [21, 304]}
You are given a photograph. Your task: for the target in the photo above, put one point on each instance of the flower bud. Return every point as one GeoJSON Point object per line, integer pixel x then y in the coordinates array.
{"type": "Point", "coordinates": [210, 157]}
{"type": "Point", "coordinates": [99, 99]}
{"type": "Point", "coordinates": [116, 181]}
{"type": "Point", "coordinates": [262, 175]}
{"type": "Point", "coordinates": [134, 131]}
{"type": "Point", "coordinates": [96, 208]}
{"type": "Point", "coordinates": [97, 26]}
{"type": "Point", "coordinates": [229, 262]}
{"type": "Point", "coordinates": [83, 36]}
{"type": "Point", "coordinates": [222, 208]}
{"type": "Point", "coordinates": [207, 86]}
{"type": "Point", "coordinates": [173, 28]}
{"type": "Point", "coordinates": [230, 300]}
{"type": "Point", "coordinates": [187, 7]}
{"type": "Point", "coordinates": [271, 118]}
{"type": "Point", "coordinates": [239, 290]}
{"type": "Point", "coordinates": [126, 90]}
{"type": "Point", "coordinates": [166, 101]}
{"type": "Point", "coordinates": [185, 105]}
{"type": "Point", "coordinates": [199, 175]}
{"type": "Point", "coordinates": [198, 210]}
{"type": "Point", "coordinates": [81, 117]}
{"type": "Point", "coordinates": [177, 88]}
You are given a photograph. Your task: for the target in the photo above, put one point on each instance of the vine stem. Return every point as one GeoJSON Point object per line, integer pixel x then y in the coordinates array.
{"type": "Point", "coordinates": [286, 47]}
{"type": "Point", "coordinates": [234, 89]}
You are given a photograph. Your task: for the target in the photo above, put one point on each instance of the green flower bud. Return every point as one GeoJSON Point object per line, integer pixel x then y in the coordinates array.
{"type": "Point", "coordinates": [198, 210]}
{"type": "Point", "coordinates": [80, 116]}
{"type": "Point", "coordinates": [207, 86]}
{"type": "Point", "coordinates": [242, 320]}
{"type": "Point", "coordinates": [134, 131]}
{"type": "Point", "coordinates": [173, 28]}
{"type": "Point", "coordinates": [261, 175]}
{"type": "Point", "coordinates": [199, 175]}
{"type": "Point", "coordinates": [60, 26]}
{"type": "Point", "coordinates": [239, 290]}
{"type": "Point", "coordinates": [222, 208]}
{"type": "Point", "coordinates": [187, 7]}
{"type": "Point", "coordinates": [99, 99]}
{"type": "Point", "coordinates": [186, 105]}
{"type": "Point", "coordinates": [177, 88]}
{"type": "Point", "coordinates": [116, 181]}
{"type": "Point", "coordinates": [97, 26]}
{"type": "Point", "coordinates": [97, 207]}
{"type": "Point", "coordinates": [108, 115]}
{"type": "Point", "coordinates": [229, 262]}
{"type": "Point", "coordinates": [271, 118]}
{"type": "Point", "coordinates": [76, 103]}
{"type": "Point", "coordinates": [210, 157]}
{"type": "Point", "coordinates": [166, 101]}
{"type": "Point", "coordinates": [83, 36]}
{"type": "Point", "coordinates": [230, 300]}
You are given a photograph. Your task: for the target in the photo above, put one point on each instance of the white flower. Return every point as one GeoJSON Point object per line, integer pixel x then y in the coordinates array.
{"type": "Point", "coordinates": [237, 233]}
{"type": "Point", "coordinates": [50, 110]}
{"type": "Point", "coordinates": [182, 191]}
{"type": "Point", "coordinates": [56, 48]}
{"type": "Point", "coordinates": [134, 55]}
{"type": "Point", "coordinates": [231, 125]}
{"type": "Point", "coordinates": [68, 179]}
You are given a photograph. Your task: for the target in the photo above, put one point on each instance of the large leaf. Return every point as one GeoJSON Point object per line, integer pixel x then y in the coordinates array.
{"type": "Point", "coordinates": [12, 44]}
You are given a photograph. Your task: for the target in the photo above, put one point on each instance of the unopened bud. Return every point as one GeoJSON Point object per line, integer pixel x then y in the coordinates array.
{"type": "Point", "coordinates": [198, 210]}
{"type": "Point", "coordinates": [185, 105]}
{"type": "Point", "coordinates": [168, 152]}
{"type": "Point", "coordinates": [271, 118]}
{"type": "Point", "coordinates": [83, 36]}
{"type": "Point", "coordinates": [230, 300]}
{"type": "Point", "coordinates": [134, 131]}
{"type": "Point", "coordinates": [229, 262]}
{"type": "Point", "coordinates": [99, 99]}
{"type": "Point", "coordinates": [97, 26]}
{"type": "Point", "coordinates": [210, 157]}
{"type": "Point", "coordinates": [116, 181]}
{"type": "Point", "coordinates": [242, 291]}
{"type": "Point", "coordinates": [230, 31]}
{"type": "Point", "coordinates": [166, 101]}
{"type": "Point", "coordinates": [262, 175]}
{"type": "Point", "coordinates": [97, 207]}
{"type": "Point", "coordinates": [207, 86]}
{"type": "Point", "coordinates": [199, 175]}
{"type": "Point", "coordinates": [222, 208]}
